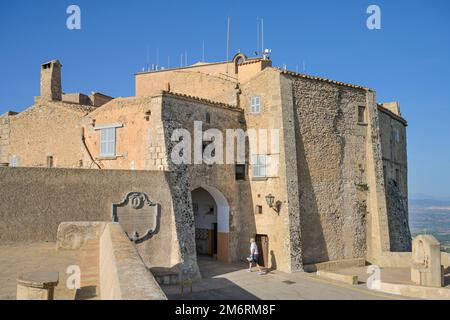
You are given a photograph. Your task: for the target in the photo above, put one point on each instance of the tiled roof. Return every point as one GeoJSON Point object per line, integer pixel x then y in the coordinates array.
{"type": "Point", "coordinates": [202, 100]}
{"type": "Point", "coordinates": [66, 105]}
{"type": "Point", "coordinates": [304, 76]}
{"type": "Point", "coordinates": [78, 107]}
{"type": "Point", "coordinates": [250, 61]}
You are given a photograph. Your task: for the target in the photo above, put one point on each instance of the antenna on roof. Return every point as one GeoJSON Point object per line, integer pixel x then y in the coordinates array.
{"type": "Point", "coordinates": [203, 51]}
{"type": "Point", "coordinates": [168, 61]}
{"type": "Point", "coordinates": [185, 58]}
{"type": "Point", "coordinates": [304, 66]}
{"type": "Point", "coordinates": [157, 58]}
{"type": "Point", "coordinates": [228, 39]}
{"type": "Point", "coordinates": [257, 36]}
{"type": "Point", "coordinates": [181, 60]}
{"type": "Point", "coordinates": [148, 59]}
{"type": "Point", "coordinates": [262, 35]}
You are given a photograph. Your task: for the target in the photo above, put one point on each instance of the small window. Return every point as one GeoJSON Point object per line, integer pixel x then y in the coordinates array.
{"type": "Point", "coordinates": [49, 161]}
{"type": "Point", "coordinates": [108, 142]}
{"type": "Point", "coordinates": [240, 172]}
{"type": "Point", "coordinates": [361, 114]}
{"type": "Point", "coordinates": [259, 166]}
{"type": "Point", "coordinates": [255, 104]}
{"type": "Point", "coordinates": [397, 135]}
{"type": "Point", "coordinates": [258, 209]}
{"type": "Point", "coordinates": [208, 118]}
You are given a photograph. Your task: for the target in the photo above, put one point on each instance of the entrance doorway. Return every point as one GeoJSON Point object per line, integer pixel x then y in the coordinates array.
{"type": "Point", "coordinates": [262, 241]}
{"type": "Point", "coordinates": [211, 217]}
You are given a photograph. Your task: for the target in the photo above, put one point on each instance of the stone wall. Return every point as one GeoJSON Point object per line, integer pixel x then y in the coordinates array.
{"type": "Point", "coordinates": [190, 82]}
{"type": "Point", "coordinates": [5, 130]}
{"type": "Point", "coordinates": [181, 112]}
{"type": "Point", "coordinates": [47, 129]}
{"type": "Point", "coordinates": [123, 276]}
{"type": "Point", "coordinates": [284, 244]}
{"type": "Point", "coordinates": [36, 200]}
{"type": "Point", "coordinates": [331, 159]}
{"type": "Point", "coordinates": [395, 170]}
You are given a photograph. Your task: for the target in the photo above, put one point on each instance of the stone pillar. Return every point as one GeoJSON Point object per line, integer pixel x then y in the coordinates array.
{"type": "Point", "coordinates": [37, 285]}
{"type": "Point", "coordinates": [426, 269]}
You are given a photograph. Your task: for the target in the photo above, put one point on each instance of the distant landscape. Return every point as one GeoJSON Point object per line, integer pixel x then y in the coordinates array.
{"type": "Point", "coordinates": [428, 216]}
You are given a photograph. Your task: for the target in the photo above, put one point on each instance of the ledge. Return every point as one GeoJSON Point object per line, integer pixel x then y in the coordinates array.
{"type": "Point", "coordinates": [123, 275]}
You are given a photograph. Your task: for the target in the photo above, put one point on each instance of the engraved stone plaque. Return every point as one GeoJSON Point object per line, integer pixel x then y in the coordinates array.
{"type": "Point", "coordinates": [138, 216]}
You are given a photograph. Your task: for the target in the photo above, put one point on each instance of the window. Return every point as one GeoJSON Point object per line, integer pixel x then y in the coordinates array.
{"type": "Point", "coordinates": [108, 142]}
{"type": "Point", "coordinates": [49, 161]}
{"type": "Point", "coordinates": [397, 135]}
{"type": "Point", "coordinates": [259, 166]}
{"type": "Point", "coordinates": [361, 114]}
{"type": "Point", "coordinates": [208, 118]}
{"type": "Point", "coordinates": [258, 209]}
{"type": "Point", "coordinates": [255, 104]}
{"type": "Point", "coordinates": [240, 172]}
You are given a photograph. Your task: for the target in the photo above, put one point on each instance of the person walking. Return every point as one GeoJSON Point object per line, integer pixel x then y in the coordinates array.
{"type": "Point", "coordinates": [254, 254]}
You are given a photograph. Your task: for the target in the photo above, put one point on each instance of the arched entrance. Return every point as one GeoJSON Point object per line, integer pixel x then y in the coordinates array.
{"type": "Point", "coordinates": [211, 217]}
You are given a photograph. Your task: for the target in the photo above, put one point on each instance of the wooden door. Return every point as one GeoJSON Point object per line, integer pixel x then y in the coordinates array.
{"type": "Point", "coordinates": [262, 241]}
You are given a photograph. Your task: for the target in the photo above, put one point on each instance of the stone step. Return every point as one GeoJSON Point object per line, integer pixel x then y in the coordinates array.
{"type": "Point", "coordinates": [165, 276]}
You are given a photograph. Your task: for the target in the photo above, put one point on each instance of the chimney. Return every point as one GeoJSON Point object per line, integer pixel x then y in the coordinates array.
{"type": "Point", "coordinates": [51, 81]}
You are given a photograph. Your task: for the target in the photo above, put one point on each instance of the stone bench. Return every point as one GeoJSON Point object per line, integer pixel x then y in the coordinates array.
{"type": "Point", "coordinates": [37, 285]}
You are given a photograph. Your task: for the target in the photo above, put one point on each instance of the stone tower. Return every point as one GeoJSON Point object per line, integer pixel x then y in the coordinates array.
{"type": "Point", "coordinates": [51, 81]}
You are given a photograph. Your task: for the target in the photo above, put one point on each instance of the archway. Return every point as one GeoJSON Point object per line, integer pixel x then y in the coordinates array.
{"type": "Point", "coordinates": [211, 217]}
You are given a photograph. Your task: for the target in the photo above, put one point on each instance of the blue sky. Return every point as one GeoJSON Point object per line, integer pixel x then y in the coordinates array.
{"type": "Point", "coordinates": [408, 60]}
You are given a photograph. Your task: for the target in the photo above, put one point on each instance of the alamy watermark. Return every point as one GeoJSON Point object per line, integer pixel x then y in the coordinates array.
{"type": "Point", "coordinates": [211, 147]}
{"type": "Point", "coordinates": [73, 21]}
{"type": "Point", "coordinates": [374, 20]}
{"type": "Point", "coordinates": [74, 280]}
{"type": "Point", "coordinates": [374, 280]}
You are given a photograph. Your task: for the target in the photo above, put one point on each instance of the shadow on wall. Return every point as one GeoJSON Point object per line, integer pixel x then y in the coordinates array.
{"type": "Point", "coordinates": [273, 260]}
{"type": "Point", "coordinates": [314, 248]}
{"type": "Point", "coordinates": [397, 207]}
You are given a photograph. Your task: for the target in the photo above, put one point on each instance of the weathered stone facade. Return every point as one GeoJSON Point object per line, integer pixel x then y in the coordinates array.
{"type": "Point", "coordinates": [335, 200]}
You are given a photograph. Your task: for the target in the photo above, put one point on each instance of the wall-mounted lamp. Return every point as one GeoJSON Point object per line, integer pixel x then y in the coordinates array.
{"type": "Point", "coordinates": [147, 115]}
{"type": "Point", "coordinates": [93, 122]}
{"type": "Point", "coordinates": [275, 205]}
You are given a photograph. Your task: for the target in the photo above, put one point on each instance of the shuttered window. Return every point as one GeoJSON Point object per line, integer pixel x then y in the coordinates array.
{"type": "Point", "coordinates": [255, 105]}
{"type": "Point", "coordinates": [259, 162]}
{"type": "Point", "coordinates": [108, 142]}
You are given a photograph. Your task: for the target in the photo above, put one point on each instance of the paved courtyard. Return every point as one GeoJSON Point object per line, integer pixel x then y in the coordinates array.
{"type": "Point", "coordinates": [232, 282]}
{"type": "Point", "coordinates": [24, 257]}
{"type": "Point", "coordinates": [17, 258]}
{"type": "Point", "coordinates": [220, 281]}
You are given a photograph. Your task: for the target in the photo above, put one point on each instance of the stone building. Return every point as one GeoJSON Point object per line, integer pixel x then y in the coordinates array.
{"type": "Point", "coordinates": [333, 188]}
